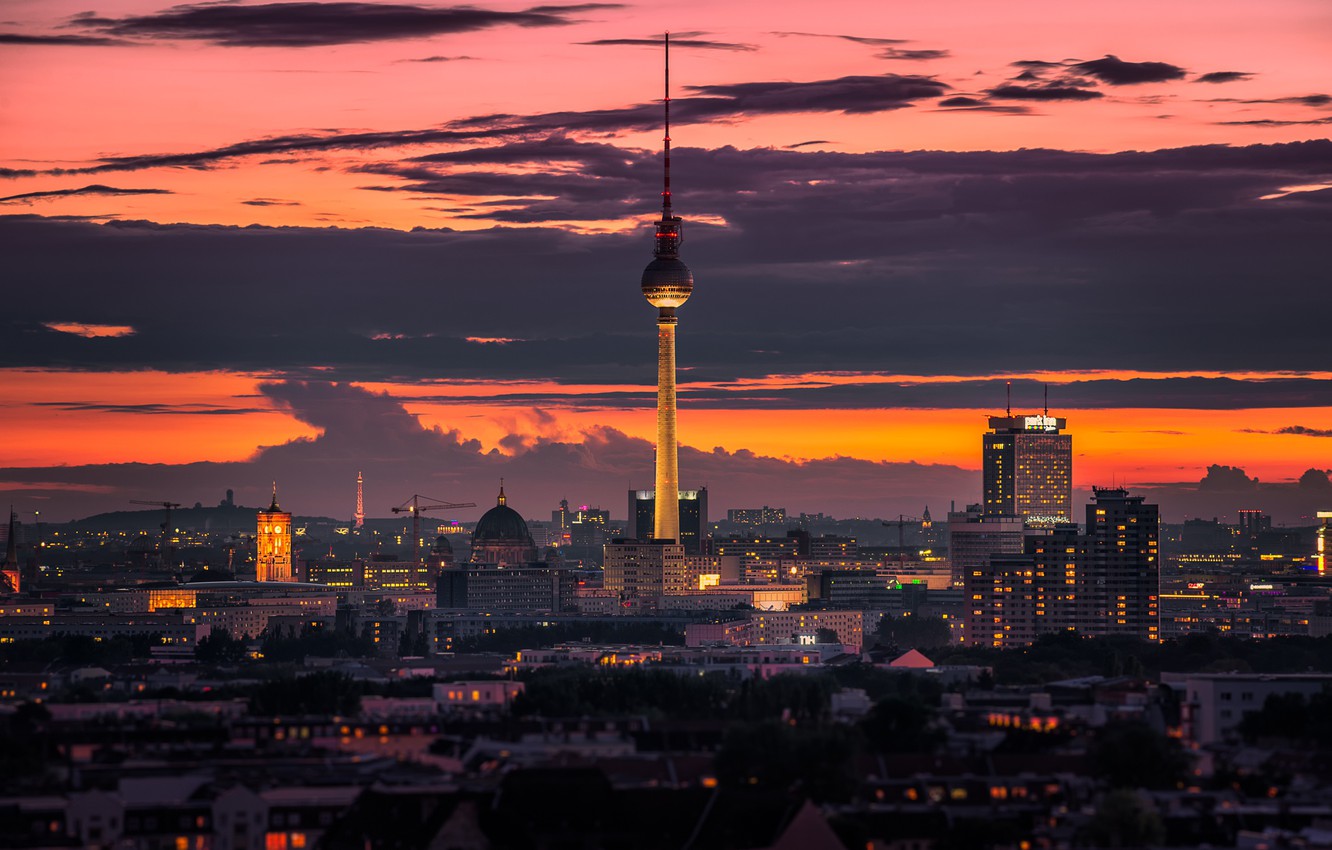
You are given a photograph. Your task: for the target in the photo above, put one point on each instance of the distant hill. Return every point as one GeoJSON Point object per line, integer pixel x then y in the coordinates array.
{"type": "Point", "coordinates": [220, 519]}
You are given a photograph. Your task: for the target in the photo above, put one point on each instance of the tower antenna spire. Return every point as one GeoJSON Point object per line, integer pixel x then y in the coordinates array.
{"type": "Point", "coordinates": [1009, 412]}
{"type": "Point", "coordinates": [666, 138]}
{"type": "Point", "coordinates": [667, 284]}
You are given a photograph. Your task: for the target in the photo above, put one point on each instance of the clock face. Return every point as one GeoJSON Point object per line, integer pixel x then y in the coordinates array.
{"type": "Point", "coordinates": [277, 529]}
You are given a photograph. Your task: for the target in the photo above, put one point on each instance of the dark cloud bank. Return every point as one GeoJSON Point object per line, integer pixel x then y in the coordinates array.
{"type": "Point", "coordinates": [371, 433]}
{"type": "Point", "coordinates": [858, 94]}
{"type": "Point", "coordinates": [307, 24]}
{"type": "Point", "coordinates": [374, 434]}
{"type": "Point", "coordinates": [898, 262]}
{"type": "Point", "coordinates": [916, 263]}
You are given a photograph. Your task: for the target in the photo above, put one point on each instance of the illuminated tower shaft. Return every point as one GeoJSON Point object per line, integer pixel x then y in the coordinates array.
{"type": "Point", "coordinates": [666, 519]}
{"type": "Point", "coordinates": [666, 284]}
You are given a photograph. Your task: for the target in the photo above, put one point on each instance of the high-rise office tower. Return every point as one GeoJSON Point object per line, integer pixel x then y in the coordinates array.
{"type": "Point", "coordinates": [1027, 469]}
{"type": "Point", "coordinates": [273, 537]}
{"type": "Point", "coordinates": [667, 283]}
{"type": "Point", "coordinates": [691, 519]}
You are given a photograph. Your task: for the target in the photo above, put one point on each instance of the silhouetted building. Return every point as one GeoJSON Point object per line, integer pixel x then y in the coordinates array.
{"type": "Point", "coordinates": [693, 519]}
{"type": "Point", "coordinates": [441, 554]}
{"type": "Point", "coordinates": [501, 536]}
{"type": "Point", "coordinates": [930, 534]}
{"type": "Point", "coordinates": [562, 517]}
{"type": "Point", "coordinates": [1253, 523]}
{"type": "Point", "coordinates": [487, 587]}
{"type": "Point", "coordinates": [11, 573]}
{"type": "Point", "coordinates": [756, 516]}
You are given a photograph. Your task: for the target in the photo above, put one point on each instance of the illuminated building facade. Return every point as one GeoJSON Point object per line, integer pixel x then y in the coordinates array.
{"type": "Point", "coordinates": [273, 537]}
{"type": "Point", "coordinates": [691, 519]}
{"type": "Point", "coordinates": [1125, 561]}
{"type": "Point", "coordinates": [1027, 469]}
{"type": "Point", "coordinates": [1323, 543]}
{"type": "Point", "coordinates": [757, 550]}
{"type": "Point", "coordinates": [757, 516]}
{"type": "Point", "coordinates": [785, 627]}
{"type": "Point", "coordinates": [639, 571]}
{"type": "Point", "coordinates": [666, 284]}
{"type": "Point", "coordinates": [1001, 597]}
{"type": "Point", "coordinates": [1104, 582]}
{"type": "Point", "coordinates": [399, 575]}
{"type": "Point", "coordinates": [344, 575]}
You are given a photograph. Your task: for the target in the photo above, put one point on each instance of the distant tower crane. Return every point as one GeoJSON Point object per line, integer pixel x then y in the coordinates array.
{"type": "Point", "coordinates": [902, 520]}
{"type": "Point", "coordinates": [414, 507]}
{"type": "Point", "coordinates": [166, 527]}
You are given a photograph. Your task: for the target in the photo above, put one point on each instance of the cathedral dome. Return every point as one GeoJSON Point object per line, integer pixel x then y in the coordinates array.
{"type": "Point", "coordinates": [502, 537]}
{"type": "Point", "coordinates": [502, 524]}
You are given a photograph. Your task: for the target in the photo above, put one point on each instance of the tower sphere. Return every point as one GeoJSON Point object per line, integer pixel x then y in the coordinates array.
{"type": "Point", "coordinates": [667, 282]}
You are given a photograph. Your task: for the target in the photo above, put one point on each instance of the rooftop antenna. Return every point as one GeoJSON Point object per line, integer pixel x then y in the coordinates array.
{"type": "Point", "coordinates": [1047, 401]}
{"type": "Point", "coordinates": [666, 139]}
{"type": "Point", "coordinates": [1009, 414]}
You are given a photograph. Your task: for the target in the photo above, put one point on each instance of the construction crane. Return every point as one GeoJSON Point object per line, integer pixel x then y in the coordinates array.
{"type": "Point", "coordinates": [166, 527]}
{"type": "Point", "coordinates": [902, 520]}
{"type": "Point", "coordinates": [414, 507]}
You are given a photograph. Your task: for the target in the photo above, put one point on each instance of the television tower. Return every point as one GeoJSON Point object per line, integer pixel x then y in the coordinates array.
{"type": "Point", "coordinates": [360, 504]}
{"type": "Point", "coordinates": [667, 283]}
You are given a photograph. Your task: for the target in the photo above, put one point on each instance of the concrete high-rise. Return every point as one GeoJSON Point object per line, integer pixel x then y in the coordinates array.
{"type": "Point", "coordinates": [640, 571]}
{"type": "Point", "coordinates": [1105, 581]}
{"type": "Point", "coordinates": [667, 284]}
{"type": "Point", "coordinates": [1027, 469]}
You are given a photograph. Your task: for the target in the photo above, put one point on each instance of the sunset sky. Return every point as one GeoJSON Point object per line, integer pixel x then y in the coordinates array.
{"type": "Point", "coordinates": [248, 241]}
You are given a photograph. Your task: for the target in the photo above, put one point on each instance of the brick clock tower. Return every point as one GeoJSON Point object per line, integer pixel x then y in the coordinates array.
{"type": "Point", "coordinates": [274, 538]}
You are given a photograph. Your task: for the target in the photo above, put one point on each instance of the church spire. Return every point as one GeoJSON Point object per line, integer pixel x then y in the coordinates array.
{"type": "Point", "coordinates": [274, 506]}
{"type": "Point", "coordinates": [502, 500]}
{"type": "Point", "coordinates": [11, 542]}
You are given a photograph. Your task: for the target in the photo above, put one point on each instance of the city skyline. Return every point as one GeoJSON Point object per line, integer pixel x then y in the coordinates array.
{"type": "Point", "coordinates": [1129, 214]}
